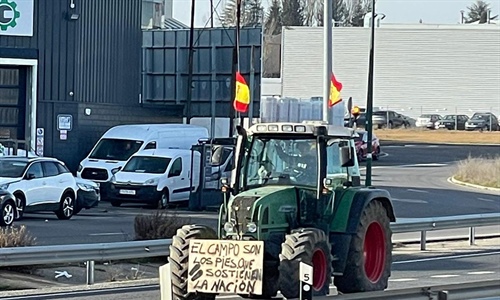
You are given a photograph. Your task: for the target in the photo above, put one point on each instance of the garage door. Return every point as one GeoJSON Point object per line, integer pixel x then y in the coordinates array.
{"type": "Point", "coordinates": [12, 102]}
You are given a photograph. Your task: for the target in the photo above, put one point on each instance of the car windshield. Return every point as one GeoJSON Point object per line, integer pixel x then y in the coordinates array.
{"type": "Point", "coordinates": [426, 116]}
{"type": "Point", "coordinates": [449, 117]}
{"type": "Point", "coordinates": [115, 149]}
{"type": "Point", "coordinates": [481, 117]}
{"type": "Point", "coordinates": [147, 164]}
{"type": "Point", "coordinates": [380, 113]}
{"type": "Point", "coordinates": [361, 137]}
{"type": "Point", "coordinates": [281, 161]}
{"type": "Point", "coordinates": [12, 168]}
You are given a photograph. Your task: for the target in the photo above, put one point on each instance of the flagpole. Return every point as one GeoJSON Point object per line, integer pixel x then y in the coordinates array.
{"type": "Point", "coordinates": [238, 20]}
{"type": "Point", "coordinates": [327, 48]}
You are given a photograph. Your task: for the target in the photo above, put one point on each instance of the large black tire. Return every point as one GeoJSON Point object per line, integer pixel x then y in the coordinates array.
{"type": "Point", "coordinates": [310, 246]}
{"type": "Point", "coordinates": [368, 266]}
{"type": "Point", "coordinates": [179, 259]}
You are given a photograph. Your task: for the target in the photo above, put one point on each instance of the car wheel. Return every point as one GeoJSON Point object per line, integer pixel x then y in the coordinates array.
{"type": "Point", "coordinates": [20, 205]}
{"type": "Point", "coordinates": [9, 213]}
{"type": "Point", "coordinates": [66, 207]}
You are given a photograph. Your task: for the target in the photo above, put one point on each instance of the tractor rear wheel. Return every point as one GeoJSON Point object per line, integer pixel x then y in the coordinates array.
{"type": "Point", "coordinates": [310, 246]}
{"type": "Point", "coordinates": [368, 265]}
{"type": "Point", "coordinates": [179, 259]}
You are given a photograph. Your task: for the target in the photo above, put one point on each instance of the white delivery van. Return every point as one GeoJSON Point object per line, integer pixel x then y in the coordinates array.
{"type": "Point", "coordinates": [116, 146]}
{"type": "Point", "coordinates": [156, 178]}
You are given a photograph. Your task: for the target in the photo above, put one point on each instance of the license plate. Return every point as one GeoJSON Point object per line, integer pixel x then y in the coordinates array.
{"type": "Point", "coordinates": [127, 192]}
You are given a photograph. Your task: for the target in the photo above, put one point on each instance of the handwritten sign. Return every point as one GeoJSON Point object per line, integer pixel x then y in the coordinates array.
{"type": "Point", "coordinates": [223, 266]}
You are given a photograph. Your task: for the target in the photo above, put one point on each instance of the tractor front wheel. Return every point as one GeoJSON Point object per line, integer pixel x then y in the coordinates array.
{"type": "Point", "coordinates": [179, 259]}
{"type": "Point", "coordinates": [368, 265]}
{"type": "Point", "coordinates": [310, 246]}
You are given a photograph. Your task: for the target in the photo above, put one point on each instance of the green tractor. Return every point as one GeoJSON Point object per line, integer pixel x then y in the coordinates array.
{"type": "Point", "coordinates": [297, 188]}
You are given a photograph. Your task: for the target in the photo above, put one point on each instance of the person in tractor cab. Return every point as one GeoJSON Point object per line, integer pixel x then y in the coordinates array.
{"type": "Point", "coordinates": [304, 163]}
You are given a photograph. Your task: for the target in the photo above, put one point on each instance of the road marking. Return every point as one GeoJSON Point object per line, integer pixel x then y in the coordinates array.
{"type": "Point", "coordinates": [444, 276]}
{"type": "Point", "coordinates": [445, 257]}
{"type": "Point", "coordinates": [107, 233]}
{"type": "Point", "coordinates": [433, 146]}
{"type": "Point", "coordinates": [480, 273]}
{"type": "Point", "coordinates": [487, 200]}
{"type": "Point", "coordinates": [417, 191]}
{"type": "Point", "coordinates": [410, 200]}
{"type": "Point", "coordinates": [402, 279]}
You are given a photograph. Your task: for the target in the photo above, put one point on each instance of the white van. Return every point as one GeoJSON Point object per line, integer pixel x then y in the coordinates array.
{"type": "Point", "coordinates": [116, 146]}
{"type": "Point", "coordinates": [156, 178]}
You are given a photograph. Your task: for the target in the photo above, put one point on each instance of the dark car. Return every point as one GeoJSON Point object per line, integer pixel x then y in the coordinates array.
{"type": "Point", "coordinates": [482, 121]}
{"type": "Point", "coordinates": [8, 205]}
{"type": "Point", "coordinates": [87, 195]}
{"type": "Point", "coordinates": [361, 142]}
{"type": "Point", "coordinates": [452, 122]}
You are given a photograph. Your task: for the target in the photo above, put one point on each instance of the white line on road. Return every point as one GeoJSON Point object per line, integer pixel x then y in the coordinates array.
{"type": "Point", "coordinates": [107, 233]}
{"type": "Point", "coordinates": [444, 276]}
{"type": "Point", "coordinates": [480, 273]}
{"type": "Point", "coordinates": [417, 191]}
{"type": "Point", "coordinates": [410, 200]}
{"type": "Point", "coordinates": [402, 279]}
{"type": "Point", "coordinates": [445, 257]}
{"type": "Point", "coordinates": [487, 200]}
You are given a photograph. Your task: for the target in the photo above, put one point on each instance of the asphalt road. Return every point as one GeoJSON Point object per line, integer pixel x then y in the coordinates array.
{"type": "Point", "coordinates": [411, 268]}
{"type": "Point", "coordinates": [415, 175]}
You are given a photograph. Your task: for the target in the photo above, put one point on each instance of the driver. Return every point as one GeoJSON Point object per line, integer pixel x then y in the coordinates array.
{"type": "Point", "coordinates": [304, 162]}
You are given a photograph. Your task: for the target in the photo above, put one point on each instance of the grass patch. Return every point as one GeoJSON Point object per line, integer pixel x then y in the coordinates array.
{"type": "Point", "coordinates": [438, 136]}
{"type": "Point", "coordinates": [158, 225]}
{"type": "Point", "coordinates": [480, 170]}
{"type": "Point", "coordinates": [16, 237]}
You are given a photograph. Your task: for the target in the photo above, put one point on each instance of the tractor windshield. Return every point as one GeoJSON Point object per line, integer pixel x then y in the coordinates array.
{"type": "Point", "coordinates": [281, 161]}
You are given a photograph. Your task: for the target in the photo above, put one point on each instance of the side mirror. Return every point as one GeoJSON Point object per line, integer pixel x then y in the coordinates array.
{"type": "Point", "coordinates": [30, 176]}
{"type": "Point", "coordinates": [115, 170]}
{"type": "Point", "coordinates": [347, 156]}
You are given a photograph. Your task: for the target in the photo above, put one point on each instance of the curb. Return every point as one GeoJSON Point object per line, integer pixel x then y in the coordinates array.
{"type": "Point", "coordinates": [471, 185]}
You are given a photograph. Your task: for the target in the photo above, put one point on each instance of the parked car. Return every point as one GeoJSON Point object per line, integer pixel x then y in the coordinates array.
{"type": "Point", "coordinates": [8, 206]}
{"type": "Point", "coordinates": [482, 121]}
{"type": "Point", "coordinates": [387, 118]}
{"type": "Point", "coordinates": [361, 142]}
{"type": "Point", "coordinates": [451, 121]}
{"type": "Point", "coordinates": [156, 178]}
{"type": "Point", "coordinates": [87, 196]}
{"type": "Point", "coordinates": [39, 184]}
{"type": "Point", "coordinates": [428, 121]}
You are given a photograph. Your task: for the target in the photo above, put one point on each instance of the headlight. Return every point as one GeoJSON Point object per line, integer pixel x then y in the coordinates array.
{"type": "Point", "coordinates": [85, 187]}
{"type": "Point", "coordinates": [228, 227]}
{"type": "Point", "coordinates": [80, 168]}
{"type": "Point", "coordinates": [4, 186]}
{"type": "Point", "coordinates": [252, 227]}
{"type": "Point", "coordinates": [152, 181]}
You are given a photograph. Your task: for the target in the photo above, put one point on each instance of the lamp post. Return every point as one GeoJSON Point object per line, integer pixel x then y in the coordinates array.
{"type": "Point", "coordinates": [369, 100]}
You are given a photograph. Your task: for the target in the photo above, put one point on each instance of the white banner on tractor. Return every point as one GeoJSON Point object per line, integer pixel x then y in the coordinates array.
{"type": "Point", "coordinates": [223, 266]}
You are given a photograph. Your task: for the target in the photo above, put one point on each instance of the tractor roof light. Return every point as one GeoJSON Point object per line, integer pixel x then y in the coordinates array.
{"type": "Point", "coordinates": [287, 128]}
{"type": "Point", "coordinates": [300, 128]}
{"type": "Point", "coordinates": [272, 128]}
{"type": "Point", "coordinates": [261, 128]}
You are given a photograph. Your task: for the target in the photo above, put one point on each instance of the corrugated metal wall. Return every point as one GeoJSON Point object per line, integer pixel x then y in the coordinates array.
{"type": "Point", "coordinates": [419, 69]}
{"type": "Point", "coordinates": [165, 67]}
{"type": "Point", "coordinates": [108, 51]}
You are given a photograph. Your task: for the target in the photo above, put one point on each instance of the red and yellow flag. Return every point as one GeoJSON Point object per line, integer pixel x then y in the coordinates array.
{"type": "Point", "coordinates": [335, 88]}
{"type": "Point", "coordinates": [242, 95]}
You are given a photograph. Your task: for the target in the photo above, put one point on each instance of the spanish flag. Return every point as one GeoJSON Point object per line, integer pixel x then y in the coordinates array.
{"type": "Point", "coordinates": [242, 95]}
{"type": "Point", "coordinates": [335, 88]}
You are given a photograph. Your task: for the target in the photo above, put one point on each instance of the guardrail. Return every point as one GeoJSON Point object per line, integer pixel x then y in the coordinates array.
{"type": "Point", "coordinates": [41, 255]}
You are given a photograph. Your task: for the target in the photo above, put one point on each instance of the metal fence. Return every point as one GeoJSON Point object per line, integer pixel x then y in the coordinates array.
{"type": "Point", "coordinates": [41, 255]}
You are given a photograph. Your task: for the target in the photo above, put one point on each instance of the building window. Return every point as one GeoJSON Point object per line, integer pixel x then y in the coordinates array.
{"type": "Point", "coordinates": [152, 14]}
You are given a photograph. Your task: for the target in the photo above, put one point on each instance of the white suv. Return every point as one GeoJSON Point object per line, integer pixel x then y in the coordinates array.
{"type": "Point", "coordinates": [39, 184]}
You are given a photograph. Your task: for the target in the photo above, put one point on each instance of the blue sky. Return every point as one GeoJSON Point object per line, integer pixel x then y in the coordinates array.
{"type": "Point", "coordinates": [396, 11]}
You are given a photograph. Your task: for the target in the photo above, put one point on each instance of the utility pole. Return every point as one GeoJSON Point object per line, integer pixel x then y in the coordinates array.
{"type": "Point", "coordinates": [369, 101]}
{"type": "Point", "coordinates": [212, 13]}
{"type": "Point", "coordinates": [327, 54]}
{"type": "Point", "coordinates": [190, 66]}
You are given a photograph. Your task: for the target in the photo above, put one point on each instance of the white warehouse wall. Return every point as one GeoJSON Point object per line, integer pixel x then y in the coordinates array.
{"type": "Point", "coordinates": [418, 68]}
